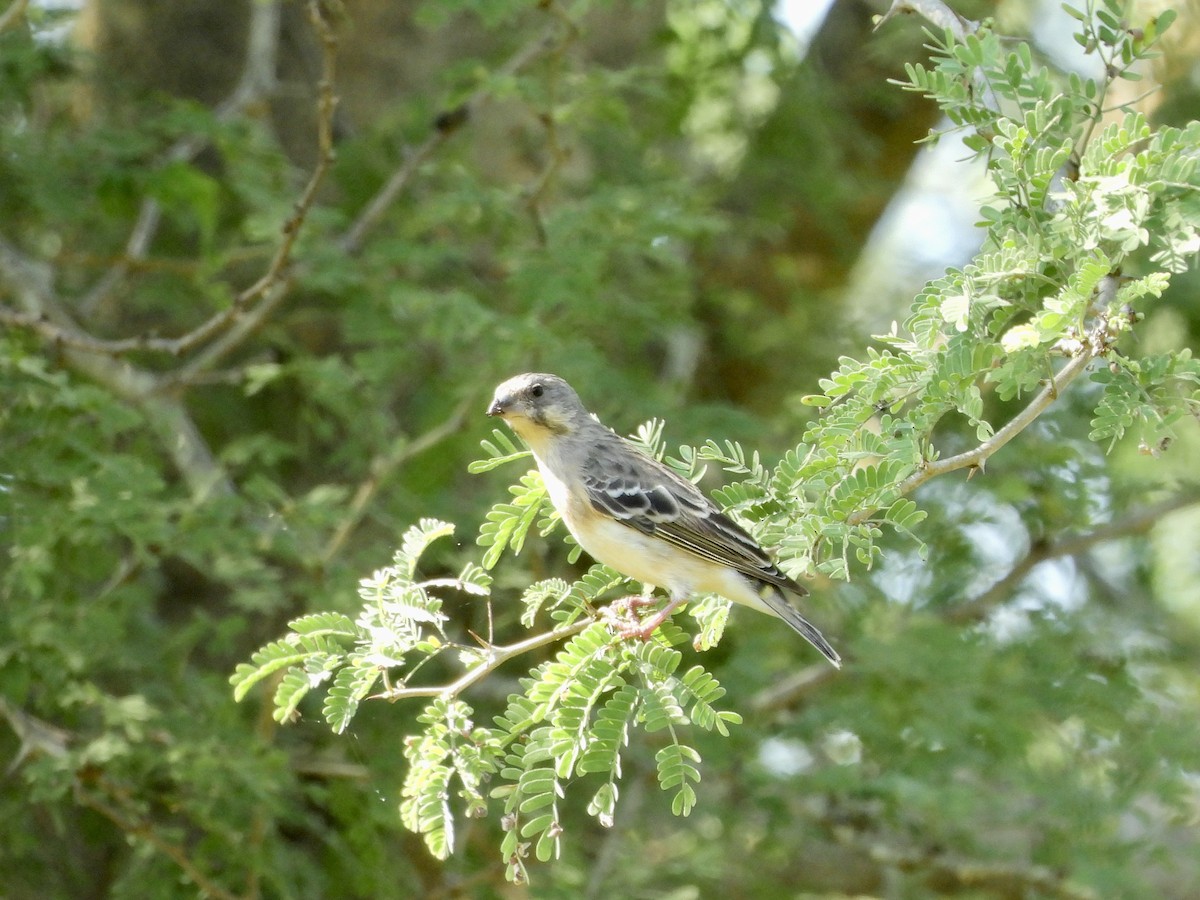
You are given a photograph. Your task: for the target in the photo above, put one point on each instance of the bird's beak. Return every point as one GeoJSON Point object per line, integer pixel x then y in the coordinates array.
{"type": "Point", "coordinates": [496, 409]}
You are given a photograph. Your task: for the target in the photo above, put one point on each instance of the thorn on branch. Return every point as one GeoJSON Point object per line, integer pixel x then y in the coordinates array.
{"type": "Point", "coordinates": [449, 121]}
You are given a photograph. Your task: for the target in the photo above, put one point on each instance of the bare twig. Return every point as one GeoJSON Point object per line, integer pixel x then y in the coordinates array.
{"type": "Point", "coordinates": [445, 125]}
{"type": "Point", "coordinates": [935, 12]}
{"type": "Point", "coordinates": [494, 658]}
{"type": "Point", "coordinates": [402, 450]}
{"type": "Point", "coordinates": [136, 827]}
{"type": "Point", "coordinates": [12, 15]}
{"type": "Point", "coordinates": [31, 284]}
{"type": "Point", "coordinates": [1137, 522]}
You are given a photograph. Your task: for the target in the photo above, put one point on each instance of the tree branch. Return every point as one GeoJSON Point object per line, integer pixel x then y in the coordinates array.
{"type": "Point", "coordinates": [1137, 522]}
{"type": "Point", "coordinates": [141, 828]}
{"type": "Point", "coordinates": [494, 659]}
{"type": "Point", "coordinates": [446, 125]}
{"type": "Point", "coordinates": [402, 450]}
{"type": "Point", "coordinates": [14, 13]}
{"type": "Point", "coordinates": [31, 284]}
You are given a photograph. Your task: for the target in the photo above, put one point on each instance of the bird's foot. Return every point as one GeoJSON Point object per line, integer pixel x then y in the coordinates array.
{"type": "Point", "coordinates": [625, 622]}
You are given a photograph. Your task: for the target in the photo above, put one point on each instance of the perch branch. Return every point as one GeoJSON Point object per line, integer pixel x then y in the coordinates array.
{"type": "Point", "coordinates": [494, 658]}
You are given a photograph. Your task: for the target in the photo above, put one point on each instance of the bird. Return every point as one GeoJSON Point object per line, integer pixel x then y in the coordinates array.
{"type": "Point", "coordinates": [634, 514]}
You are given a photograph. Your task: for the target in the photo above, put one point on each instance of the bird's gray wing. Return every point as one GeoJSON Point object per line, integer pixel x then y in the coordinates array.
{"type": "Point", "coordinates": [646, 495]}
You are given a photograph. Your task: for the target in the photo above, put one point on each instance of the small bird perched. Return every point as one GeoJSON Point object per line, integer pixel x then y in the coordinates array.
{"type": "Point", "coordinates": [632, 513]}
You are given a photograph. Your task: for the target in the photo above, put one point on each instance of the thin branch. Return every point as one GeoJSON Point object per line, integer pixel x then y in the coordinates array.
{"type": "Point", "coordinates": [256, 82]}
{"type": "Point", "coordinates": [977, 457]}
{"type": "Point", "coordinates": [952, 873]}
{"type": "Point", "coordinates": [494, 658]}
{"type": "Point", "coordinates": [31, 283]}
{"type": "Point", "coordinates": [1137, 522]}
{"type": "Point", "coordinates": [140, 828]}
{"type": "Point", "coordinates": [935, 12]}
{"type": "Point", "coordinates": [445, 125]}
{"type": "Point", "coordinates": [14, 13]}
{"type": "Point", "coordinates": [402, 450]}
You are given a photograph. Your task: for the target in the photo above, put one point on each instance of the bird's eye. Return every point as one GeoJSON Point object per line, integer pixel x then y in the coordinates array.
{"type": "Point", "coordinates": [537, 390]}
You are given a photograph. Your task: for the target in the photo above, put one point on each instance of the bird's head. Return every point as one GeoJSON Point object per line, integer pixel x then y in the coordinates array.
{"type": "Point", "coordinates": [535, 405]}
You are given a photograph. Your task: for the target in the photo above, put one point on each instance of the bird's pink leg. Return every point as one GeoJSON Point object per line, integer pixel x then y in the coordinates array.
{"type": "Point", "coordinates": [645, 627]}
{"type": "Point", "coordinates": [637, 601]}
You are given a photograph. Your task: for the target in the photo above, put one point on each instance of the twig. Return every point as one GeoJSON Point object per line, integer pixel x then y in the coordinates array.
{"type": "Point", "coordinates": [142, 829]}
{"type": "Point", "coordinates": [256, 82]}
{"type": "Point", "coordinates": [31, 283]}
{"type": "Point", "coordinates": [1136, 522]}
{"type": "Point", "coordinates": [382, 466]}
{"type": "Point", "coordinates": [793, 689]}
{"type": "Point", "coordinates": [495, 657]}
{"type": "Point", "coordinates": [445, 125]}
{"type": "Point", "coordinates": [13, 14]}
{"type": "Point", "coordinates": [977, 457]}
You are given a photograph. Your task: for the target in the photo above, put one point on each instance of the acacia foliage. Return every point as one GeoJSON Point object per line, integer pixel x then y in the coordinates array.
{"type": "Point", "coordinates": [978, 739]}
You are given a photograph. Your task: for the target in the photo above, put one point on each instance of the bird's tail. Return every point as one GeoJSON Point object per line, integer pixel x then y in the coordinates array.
{"type": "Point", "coordinates": [779, 604]}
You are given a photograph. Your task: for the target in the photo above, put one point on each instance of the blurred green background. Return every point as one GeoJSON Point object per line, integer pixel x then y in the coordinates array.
{"type": "Point", "coordinates": [689, 210]}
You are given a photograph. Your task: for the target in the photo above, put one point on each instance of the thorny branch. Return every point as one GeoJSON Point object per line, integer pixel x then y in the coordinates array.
{"type": "Point", "coordinates": [551, 40]}
{"type": "Point", "coordinates": [135, 827]}
{"type": "Point", "coordinates": [1096, 344]}
{"type": "Point", "coordinates": [1137, 522]}
{"type": "Point", "coordinates": [402, 450]}
{"type": "Point", "coordinates": [12, 15]}
{"type": "Point", "coordinates": [494, 658]}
